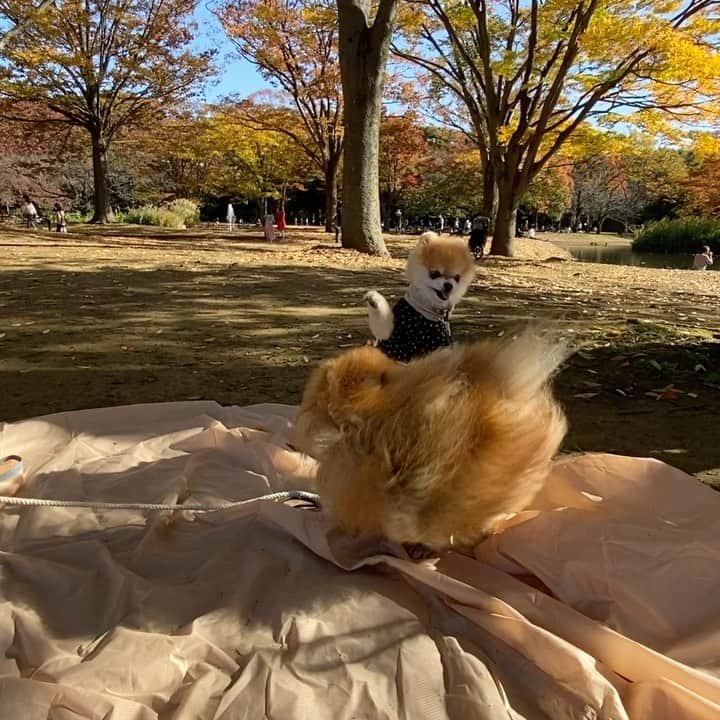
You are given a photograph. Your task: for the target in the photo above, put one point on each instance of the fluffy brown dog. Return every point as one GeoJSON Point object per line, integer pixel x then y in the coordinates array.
{"type": "Point", "coordinates": [437, 451]}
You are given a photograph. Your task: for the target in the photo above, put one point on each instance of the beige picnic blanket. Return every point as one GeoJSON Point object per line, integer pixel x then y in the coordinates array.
{"type": "Point", "coordinates": [603, 601]}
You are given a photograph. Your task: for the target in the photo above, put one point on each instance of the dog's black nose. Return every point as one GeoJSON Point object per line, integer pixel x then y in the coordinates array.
{"type": "Point", "coordinates": [447, 287]}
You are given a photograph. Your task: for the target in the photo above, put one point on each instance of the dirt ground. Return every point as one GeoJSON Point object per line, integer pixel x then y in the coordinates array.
{"type": "Point", "coordinates": [144, 315]}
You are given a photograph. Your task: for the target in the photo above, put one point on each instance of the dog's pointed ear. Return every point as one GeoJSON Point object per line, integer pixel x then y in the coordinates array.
{"type": "Point", "coordinates": [426, 238]}
{"type": "Point", "coordinates": [318, 379]}
{"type": "Point", "coordinates": [356, 381]}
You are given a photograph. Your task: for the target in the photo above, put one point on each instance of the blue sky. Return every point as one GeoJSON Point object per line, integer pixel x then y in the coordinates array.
{"type": "Point", "coordinates": [236, 76]}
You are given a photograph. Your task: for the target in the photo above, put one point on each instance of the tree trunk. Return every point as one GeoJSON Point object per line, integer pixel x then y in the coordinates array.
{"type": "Point", "coordinates": [490, 194]}
{"type": "Point", "coordinates": [331, 195]}
{"type": "Point", "coordinates": [362, 228]}
{"type": "Point", "coordinates": [503, 241]}
{"type": "Point", "coordinates": [364, 51]}
{"type": "Point", "coordinates": [101, 191]}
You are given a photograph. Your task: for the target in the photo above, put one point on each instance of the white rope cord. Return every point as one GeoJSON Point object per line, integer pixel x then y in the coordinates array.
{"type": "Point", "coordinates": [283, 496]}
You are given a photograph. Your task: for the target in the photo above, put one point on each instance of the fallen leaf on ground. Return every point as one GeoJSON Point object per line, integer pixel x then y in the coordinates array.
{"type": "Point", "coordinates": [586, 396]}
{"type": "Point", "coordinates": [668, 393]}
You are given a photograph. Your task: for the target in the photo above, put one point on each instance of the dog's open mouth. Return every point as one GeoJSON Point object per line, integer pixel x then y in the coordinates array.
{"type": "Point", "coordinates": [442, 294]}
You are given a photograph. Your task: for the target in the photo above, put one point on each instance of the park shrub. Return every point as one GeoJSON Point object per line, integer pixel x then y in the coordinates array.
{"type": "Point", "coordinates": [151, 215]}
{"type": "Point", "coordinates": [75, 216]}
{"type": "Point", "coordinates": [679, 235]}
{"type": "Point", "coordinates": [188, 210]}
{"type": "Point", "coordinates": [178, 214]}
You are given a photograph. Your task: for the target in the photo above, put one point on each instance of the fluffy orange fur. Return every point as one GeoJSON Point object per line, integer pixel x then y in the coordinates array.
{"type": "Point", "coordinates": [437, 451]}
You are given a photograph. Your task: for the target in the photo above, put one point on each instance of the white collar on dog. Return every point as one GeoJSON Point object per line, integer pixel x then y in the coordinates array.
{"type": "Point", "coordinates": [420, 303]}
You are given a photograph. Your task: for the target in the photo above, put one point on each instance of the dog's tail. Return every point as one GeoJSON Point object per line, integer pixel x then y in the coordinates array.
{"type": "Point", "coordinates": [528, 361]}
{"type": "Point", "coordinates": [380, 316]}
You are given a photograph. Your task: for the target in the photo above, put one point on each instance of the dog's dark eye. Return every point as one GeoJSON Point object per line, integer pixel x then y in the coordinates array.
{"type": "Point", "coordinates": [456, 278]}
{"type": "Point", "coordinates": [434, 274]}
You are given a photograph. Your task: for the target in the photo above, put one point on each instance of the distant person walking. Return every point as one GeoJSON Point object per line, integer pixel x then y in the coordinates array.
{"type": "Point", "coordinates": [269, 227]}
{"type": "Point", "coordinates": [338, 222]}
{"type": "Point", "coordinates": [280, 222]}
{"type": "Point", "coordinates": [441, 223]}
{"type": "Point", "coordinates": [60, 222]}
{"type": "Point", "coordinates": [230, 216]}
{"type": "Point", "coordinates": [702, 260]}
{"type": "Point", "coordinates": [398, 220]}
{"type": "Point", "coordinates": [478, 236]}
{"type": "Point", "coordinates": [29, 212]}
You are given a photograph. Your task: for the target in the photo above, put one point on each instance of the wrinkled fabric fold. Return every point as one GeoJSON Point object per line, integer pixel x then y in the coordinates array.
{"type": "Point", "coordinates": [600, 601]}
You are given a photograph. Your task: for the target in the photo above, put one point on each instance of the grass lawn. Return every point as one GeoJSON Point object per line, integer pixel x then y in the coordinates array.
{"type": "Point", "coordinates": [125, 314]}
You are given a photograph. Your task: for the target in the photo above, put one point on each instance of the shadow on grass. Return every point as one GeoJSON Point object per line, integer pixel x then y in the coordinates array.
{"type": "Point", "coordinates": [651, 399]}
{"type": "Point", "coordinates": [243, 334]}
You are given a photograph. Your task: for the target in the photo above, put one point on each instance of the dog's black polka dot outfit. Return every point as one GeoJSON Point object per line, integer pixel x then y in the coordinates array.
{"type": "Point", "coordinates": [413, 334]}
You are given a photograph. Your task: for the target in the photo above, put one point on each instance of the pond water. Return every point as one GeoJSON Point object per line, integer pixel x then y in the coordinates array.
{"type": "Point", "coordinates": [619, 252]}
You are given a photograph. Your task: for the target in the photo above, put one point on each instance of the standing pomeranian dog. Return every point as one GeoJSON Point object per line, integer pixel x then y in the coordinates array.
{"type": "Point", "coordinates": [436, 452]}
{"type": "Point", "coordinates": [440, 270]}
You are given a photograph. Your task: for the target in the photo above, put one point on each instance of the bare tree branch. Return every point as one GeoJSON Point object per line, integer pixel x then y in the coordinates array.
{"type": "Point", "coordinates": [22, 23]}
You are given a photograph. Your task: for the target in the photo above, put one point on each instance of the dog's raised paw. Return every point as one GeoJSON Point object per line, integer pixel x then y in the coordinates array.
{"type": "Point", "coordinates": [371, 298]}
{"type": "Point", "coordinates": [380, 316]}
